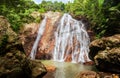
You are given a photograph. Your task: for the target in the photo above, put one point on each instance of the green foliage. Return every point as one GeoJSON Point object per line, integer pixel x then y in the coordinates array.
{"type": "Point", "coordinates": [18, 12]}
{"type": "Point", "coordinates": [113, 16]}
{"type": "Point", "coordinates": [91, 9]}
{"type": "Point", "coordinates": [50, 6]}
{"type": "Point", "coordinates": [104, 15]}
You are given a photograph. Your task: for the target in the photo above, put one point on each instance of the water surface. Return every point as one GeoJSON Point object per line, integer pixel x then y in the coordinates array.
{"type": "Point", "coordinates": [66, 69]}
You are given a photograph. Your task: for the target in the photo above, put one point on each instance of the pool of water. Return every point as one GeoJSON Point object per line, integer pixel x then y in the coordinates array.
{"type": "Point", "coordinates": [66, 69]}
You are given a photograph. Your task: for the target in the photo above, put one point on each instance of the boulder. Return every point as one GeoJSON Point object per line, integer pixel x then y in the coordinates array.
{"type": "Point", "coordinates": [105, 52]}
{"type": "Point", "coordinates": [38, 69]}
{"type": "Point", "coordinates": [87, 74]}
{"type": "Point", "coordinates": [13, 61]}
{"type": "Point", "coordinates": [15, 65]}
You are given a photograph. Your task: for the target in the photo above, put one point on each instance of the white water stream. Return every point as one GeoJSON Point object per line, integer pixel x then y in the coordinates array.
{"type": "Point", "coordinates": [71, 40]}
{"type": "Point", "coordinates": [40, 33]}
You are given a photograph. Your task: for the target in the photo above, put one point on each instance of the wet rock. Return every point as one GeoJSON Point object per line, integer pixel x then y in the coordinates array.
{"type": "Point", "coordinates": [46, 43]}
{"type": "Point", "coordinates": [105, 52]}
{"type": "Point", "coordinates": [38, 69]}
{"type": "Point", "coordinates": [50, 68]}
{"type": "Point", "coordinates": [87, 74]}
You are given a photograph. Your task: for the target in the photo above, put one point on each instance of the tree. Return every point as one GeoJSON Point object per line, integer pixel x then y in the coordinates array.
{"type": "Point", "coordinates": [17, 11]}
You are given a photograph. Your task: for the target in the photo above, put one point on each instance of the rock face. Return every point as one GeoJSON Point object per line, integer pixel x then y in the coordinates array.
{"type": "Point", "coordinates": [46, 43]}
{"type": "Point", "coordinates": [105, 52]}
{"type": "Point", "coordinates": [13, 61]}
{"type": "Point", "coordinates": [6, 35]}
{"type": "Point", "coordinates": [28, 36]}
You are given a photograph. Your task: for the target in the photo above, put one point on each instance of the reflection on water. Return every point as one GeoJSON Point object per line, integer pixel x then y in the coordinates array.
{"type": "Point", "coordinates": [65, 69]}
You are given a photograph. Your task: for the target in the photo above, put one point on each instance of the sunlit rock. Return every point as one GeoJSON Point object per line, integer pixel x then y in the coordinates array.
{"type": "Point", "coordinates": [50, 68]}
{"type": "Point", "coordinates": [87, 74]}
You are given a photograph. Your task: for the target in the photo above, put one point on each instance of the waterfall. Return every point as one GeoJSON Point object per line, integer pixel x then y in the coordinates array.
{"type": "Point", "coordinates": [71, 39]}
{"type": "Point", "coordinates": [40, 33]}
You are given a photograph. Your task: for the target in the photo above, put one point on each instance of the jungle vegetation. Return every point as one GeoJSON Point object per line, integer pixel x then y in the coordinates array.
{"type": "Point", "coordinates": [103, 15]}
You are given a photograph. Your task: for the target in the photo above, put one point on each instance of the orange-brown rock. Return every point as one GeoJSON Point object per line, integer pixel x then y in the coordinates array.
{"type": "Point", "coordinates": [47, 41]}
{"type": "Point", "coordinates": [50, 68]}
{"type": "Point", "coordinates": [46, 44]}
{"type": "Point", "coordinates": [89, 63]}
{"type": "Point", "coordinates": [87, 74]}
{"type": "Point", "coordinates": [69, 58]}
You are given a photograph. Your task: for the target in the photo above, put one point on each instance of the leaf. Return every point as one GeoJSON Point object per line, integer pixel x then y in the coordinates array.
{"type": "Point", "coordinates": [100, 3]}
{"type": "Point", "coordinates": [112, 8]}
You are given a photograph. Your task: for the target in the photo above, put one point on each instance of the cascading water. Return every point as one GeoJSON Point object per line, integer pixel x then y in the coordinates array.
{"type": "Point", "coordinates": [71, 39]}
{"type": "Point", "coordinates": [40, 33]}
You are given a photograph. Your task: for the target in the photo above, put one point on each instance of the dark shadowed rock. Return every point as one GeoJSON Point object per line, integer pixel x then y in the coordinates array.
{"type": "Point", "coordinates": [105, 52]}
{"type": "Point", "coordinates": [15, 65]}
